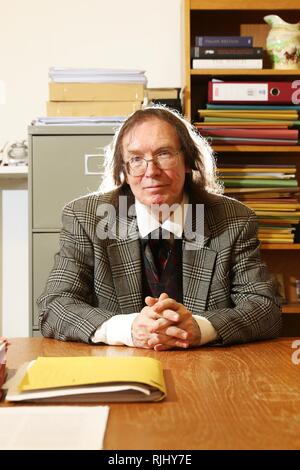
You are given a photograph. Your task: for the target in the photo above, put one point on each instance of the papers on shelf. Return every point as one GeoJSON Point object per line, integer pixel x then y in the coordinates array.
{"type": "Point", "coordinates": [88, 379]}
{"type": "Point", "coordinates": [53, 427]}
{"type": "Point", "coordinates": [80, 121]}
{"type": "Point", "coordinates": [97, 75]}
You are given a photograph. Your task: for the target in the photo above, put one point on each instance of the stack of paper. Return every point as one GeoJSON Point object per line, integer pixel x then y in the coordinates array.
{"type": "Point", "coordinates": [80, 121]}
{"type": "Point", "coordinates": [88, 379]}
{"type": "Point", "coordinates": [53, 427]}
{"type": "Point", "coordinates": [97, 75]}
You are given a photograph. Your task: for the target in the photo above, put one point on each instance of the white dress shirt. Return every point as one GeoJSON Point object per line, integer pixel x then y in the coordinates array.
{"type": "Point", "coordinates": [117, 330]}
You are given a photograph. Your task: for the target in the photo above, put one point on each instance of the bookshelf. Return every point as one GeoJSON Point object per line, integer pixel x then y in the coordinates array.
{"type": "Point", "coordinates": [228, 18]}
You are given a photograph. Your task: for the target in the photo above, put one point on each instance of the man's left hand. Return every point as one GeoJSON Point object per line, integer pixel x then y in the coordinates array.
{"type": "Point", "coordinates": [184, 327]}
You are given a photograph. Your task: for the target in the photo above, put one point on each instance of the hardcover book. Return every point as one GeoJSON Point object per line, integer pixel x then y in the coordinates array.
{"type": "Point", "coordinates": [227, 63]}
{"type": "Point", "coordinates": [226, 52]}
{"type": "Point", "coordinates": [224, 41]}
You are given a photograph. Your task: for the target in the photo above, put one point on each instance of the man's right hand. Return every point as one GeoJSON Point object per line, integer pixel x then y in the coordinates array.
{"type": "Point", "coordinates": [146, 323]}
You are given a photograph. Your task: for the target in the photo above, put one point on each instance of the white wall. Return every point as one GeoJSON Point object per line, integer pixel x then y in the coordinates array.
{"type": "Point", "coordinates": [34, 35]}
{"type": "Point", "coordinates": [15, 263]}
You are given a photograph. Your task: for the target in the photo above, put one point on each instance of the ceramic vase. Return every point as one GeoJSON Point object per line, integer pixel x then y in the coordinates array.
{"type": "Point", "coordinates": [283, 43]}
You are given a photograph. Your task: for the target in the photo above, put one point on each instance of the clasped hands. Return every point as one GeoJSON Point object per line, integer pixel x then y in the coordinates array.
{"type": "Point", "coordinates": [165, 324]}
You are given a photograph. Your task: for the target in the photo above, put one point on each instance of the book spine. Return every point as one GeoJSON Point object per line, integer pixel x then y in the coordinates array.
{"type": "Point", "coordinates": [259, 183]}
{"type": "Point", "coordinates": [248, 141]}
{"type": "Point", "coordinates": [224, 52]}
{"type": "Point", "coordinates": [227, 63]}
{"type": "Point", "coordinates": [224, 41]}
{"type": "Point", "coordinates": [252, 133]}
{"type": "Point", "coordinates": [252, 106]}
{"type": "Point", "coordinates": [287, 116]}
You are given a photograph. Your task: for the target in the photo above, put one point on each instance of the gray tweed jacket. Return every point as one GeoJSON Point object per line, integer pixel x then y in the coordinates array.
{"type": "Point", "coordinates": [224, 278]}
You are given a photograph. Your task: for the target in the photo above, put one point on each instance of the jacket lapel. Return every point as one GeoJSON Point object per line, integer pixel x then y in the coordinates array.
{"type": "Point", "coordinates": [198, 259]}
{"type": "Point", "coordinates": [126, 264]}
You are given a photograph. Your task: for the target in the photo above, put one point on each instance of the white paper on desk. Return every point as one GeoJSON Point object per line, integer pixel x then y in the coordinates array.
{"type": "Point", "coordinates": [53, 427]}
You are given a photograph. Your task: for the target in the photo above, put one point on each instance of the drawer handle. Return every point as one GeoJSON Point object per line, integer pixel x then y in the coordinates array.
{"type": "Point", "coordinates": [87, 156]}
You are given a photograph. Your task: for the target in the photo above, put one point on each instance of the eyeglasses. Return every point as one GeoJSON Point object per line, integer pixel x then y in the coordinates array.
{"type": "Point", "coordinates": [165, 160]}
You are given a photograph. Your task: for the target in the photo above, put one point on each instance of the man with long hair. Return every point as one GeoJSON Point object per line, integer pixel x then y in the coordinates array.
{"type": "Point", "coordinates": [163, 260]}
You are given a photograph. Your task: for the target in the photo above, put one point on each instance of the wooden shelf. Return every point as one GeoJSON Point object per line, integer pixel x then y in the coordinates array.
{"type": "Point", "coordinates": [257, 148]}
{"type": "Point", "coordinates": [256, 72]}
{"type": "Point", "coordinates": [244, 5]}
{"type": "Point", "coordinates": [291, 308]}
{"type": "Point", "coordinates": [280, 246]}
{"type": "Point", "coordinates": [226, 18]}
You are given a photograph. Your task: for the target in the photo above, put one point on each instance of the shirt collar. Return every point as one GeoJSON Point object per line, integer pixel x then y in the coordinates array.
{"type": "Point", "coordinates": [147, 222]}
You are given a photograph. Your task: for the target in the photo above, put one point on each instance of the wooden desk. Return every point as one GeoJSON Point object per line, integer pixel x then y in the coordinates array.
{"type": "Point", "coordinates": [240, 397]}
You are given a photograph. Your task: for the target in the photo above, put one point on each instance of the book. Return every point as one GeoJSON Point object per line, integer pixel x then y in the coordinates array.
{"type": "Point", "coordinates": [91, 108]}
{"type": "Point", "coordinates": [252, 133]}
{"type": "Point", "coordinates": [96, 91]}
{"type": "Point", "coordinates": [243, 114]}
{"type": "Point", "coordinates": [259, 183]}
{"type": "Point", "coordinates": [162, 93]}
{"type": "Point", "coordinates": [269, 175]}
{"type": "Point", "coordinates": [266, 107]}
{"type": "Point", "coordinates": [224, 41]}
{"type": "Point", "coordinates": [261, 190]}
{"type": "Point", "coordinates": [226, 52]}
{"type": "Point", "coordinates": [249, 124]}
{"type": "Point", "coordinates": [261, 168]}
{"type": "Point", "coordinates": [227, 63]}
{"type": "Point", "coordinates": [249, 141]}
{"type": "Point", "coordinates": [239, 120]}
{"type": "Point", "coordinates": [88, 379]}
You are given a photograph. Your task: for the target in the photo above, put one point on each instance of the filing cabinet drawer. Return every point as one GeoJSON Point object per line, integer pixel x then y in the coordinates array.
{"type": "Point", "coordinates": [64, 167]}
{"type": "Point", "coordinates": [44, 247]}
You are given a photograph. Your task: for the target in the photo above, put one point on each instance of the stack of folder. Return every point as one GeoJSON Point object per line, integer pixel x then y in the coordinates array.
{"type": "Point", "coordinates": [255, 113]}
{"type": "Point", "coordinates": [272, 191]}
{"type": "Point", "coordinates": [95, 92]}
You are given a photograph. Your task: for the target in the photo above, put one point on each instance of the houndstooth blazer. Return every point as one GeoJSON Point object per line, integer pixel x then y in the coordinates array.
{"type": "Point", "coordinates": [94, 278]}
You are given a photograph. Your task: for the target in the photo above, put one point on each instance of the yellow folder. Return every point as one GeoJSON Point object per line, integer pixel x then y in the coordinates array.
{"type": "Point", "coordinates": [82, 374]}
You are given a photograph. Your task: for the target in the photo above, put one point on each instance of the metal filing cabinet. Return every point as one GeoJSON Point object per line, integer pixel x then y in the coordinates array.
{"type": "Point", "coordinates": [65, 162]}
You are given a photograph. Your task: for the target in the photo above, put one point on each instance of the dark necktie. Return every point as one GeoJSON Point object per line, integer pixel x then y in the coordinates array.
{"type": "Point", "coordinates": [158, 249]}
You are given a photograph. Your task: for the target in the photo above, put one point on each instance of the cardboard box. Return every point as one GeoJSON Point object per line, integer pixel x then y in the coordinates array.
{"type": "Point", "coordinates": [92, 108]}
{"type": "Point", "coordinates": [96, 91]}
{"type": "Point", "coordinates": [162, 93]}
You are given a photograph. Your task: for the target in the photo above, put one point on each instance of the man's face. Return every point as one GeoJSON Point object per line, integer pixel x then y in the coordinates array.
{"type": "Point", "coordinates": [156, 186]}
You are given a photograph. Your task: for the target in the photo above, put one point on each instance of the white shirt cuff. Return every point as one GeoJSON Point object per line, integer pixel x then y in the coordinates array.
{"type": "Point", "coordinates": [116, 331]}
{"type": "Point", "coordinates": [208, 332]}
